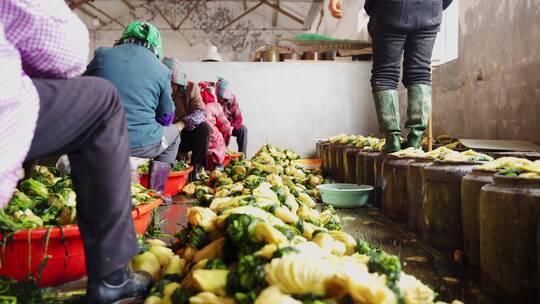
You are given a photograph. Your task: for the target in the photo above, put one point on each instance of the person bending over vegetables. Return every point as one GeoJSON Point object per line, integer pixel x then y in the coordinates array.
{"type": "Point", "coordinates": [45, 110]}
{"type": "Point", "coordinates": [190, 116]}
{"type": "Point", "coordinates": [231, 108]}
{"type": "Point", "coordinates": [216, 119]}
{"type": "Point", "coordinates": [144, 86]}
{"type": "Point", "coordinates": [401, 28]}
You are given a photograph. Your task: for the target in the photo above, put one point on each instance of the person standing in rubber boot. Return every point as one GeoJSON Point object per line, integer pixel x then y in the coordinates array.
{"type": "Point", "coordinates": [190, 117]}
{"type": "Point", "coordinates": [231, 108]}
{"type": "Point", "coordinates": [45, 108]}
{"type": "Point", "coordinates": [133, 65]}
{"type": "Point", "coordinates": [401, 28]}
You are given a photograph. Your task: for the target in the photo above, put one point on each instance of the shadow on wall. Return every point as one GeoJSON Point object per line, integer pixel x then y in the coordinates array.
{"type": "Point", "coordinates": [493, 90]}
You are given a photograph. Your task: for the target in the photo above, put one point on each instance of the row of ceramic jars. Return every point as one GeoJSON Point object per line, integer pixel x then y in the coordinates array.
{"type": "Point", "coordinates": [495, 219]}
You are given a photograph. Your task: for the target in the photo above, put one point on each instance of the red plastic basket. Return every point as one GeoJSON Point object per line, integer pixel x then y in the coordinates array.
{"type": "Point", "coordinates": [309, 163]}
{"type": "Point", "coordinates": [175, 182]}
{"type": "Point", "coordinates": [66, 260]}
{"type": "Point", "coordinates": [226, 160]}
{"type": "Point", "coordinates": [229, 157]}
{"type": "Point", "coordinates": [141, 215]}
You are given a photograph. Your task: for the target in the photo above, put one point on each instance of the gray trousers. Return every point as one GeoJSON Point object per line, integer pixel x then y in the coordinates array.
{"type": "Point", "coordinates": [164, 150]}
{"type": "Point", "coordinates": [84, 118]}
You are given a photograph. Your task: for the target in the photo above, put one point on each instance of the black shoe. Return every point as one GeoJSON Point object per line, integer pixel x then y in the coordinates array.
{"type": "Point", "coordinates": [132, 289]}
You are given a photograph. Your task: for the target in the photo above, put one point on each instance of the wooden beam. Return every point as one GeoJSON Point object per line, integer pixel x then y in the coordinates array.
{"type": "Point", "coordinates": [136, 7]}
{"type": "Point", "coordinates": [115, 20]}
{"type": "Point", "coordinates": [315, 8]}
{"type": "Point", "coordinates": [77, 4]}
{"type": "Point", "coordinates": [283, 12]}
{"type": "Point", "coordinates": [160, 12]}
{"type": "Point", "coordinates": [89, 14]}
{"type": "Point", "coordinates": [191, 10]}
{"type": "Point", "coordinates": [275, 15]}
{"type": "Point", "coordinates": [129, 5]}
{"type": "Point", "coordinates": [242, 15]}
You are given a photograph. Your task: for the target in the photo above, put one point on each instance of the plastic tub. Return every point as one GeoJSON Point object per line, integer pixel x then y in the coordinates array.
{"type": "Point", "coordinates": [66, 259]}
{"type": "Point", "coordinates": [345, 195]}
{"type": "Point", "coordinates": [175, 182]}
{"type": "Point", "coordinates": [229, 157]}
{"type": "Point", "coordinates": [141, 215]}
{"type": "Point", "coordinates": [309, 164]}
{"type": "Point", "coordinates": [25, 251]}
{"type": "Point", "coordinates": [226, 160]}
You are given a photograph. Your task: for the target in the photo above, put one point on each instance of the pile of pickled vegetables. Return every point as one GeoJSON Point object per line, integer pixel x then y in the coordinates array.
{"type": "Point", "coordinates": [514, 167]}
{"type": "Point", "coordinates": [179, 166]}
{"type": "Point", "coordinates": [47, 198]}
{"type": "Point", "coordinates": [445, 154]}
{"type": "Point", "coordinates": [370, 143]}
{"type": "Point", "coordinates": [366, 143]}
{"type": "Point", "coordinates": [260, 235]}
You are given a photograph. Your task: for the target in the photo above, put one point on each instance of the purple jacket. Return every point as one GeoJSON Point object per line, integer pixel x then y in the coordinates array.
{"type": "Point", "coordinates": [42, 39]}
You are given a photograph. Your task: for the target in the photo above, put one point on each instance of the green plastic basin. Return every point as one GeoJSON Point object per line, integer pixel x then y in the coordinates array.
{"type": "Point", "coordinates": [345, 195]}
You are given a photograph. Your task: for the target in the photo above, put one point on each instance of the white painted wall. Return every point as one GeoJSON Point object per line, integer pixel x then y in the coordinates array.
{"type": "Point", "coordinates": [290, 104]}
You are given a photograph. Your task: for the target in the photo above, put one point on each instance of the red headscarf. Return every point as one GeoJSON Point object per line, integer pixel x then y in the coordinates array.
{"type": "Point", "coordinates": [207, 92]}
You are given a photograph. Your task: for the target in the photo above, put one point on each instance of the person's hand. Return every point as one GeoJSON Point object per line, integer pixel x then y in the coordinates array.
{"type": "Point", "coordinates": [335, 8]}
{"type": "Point", "coordinates": [180, 125]}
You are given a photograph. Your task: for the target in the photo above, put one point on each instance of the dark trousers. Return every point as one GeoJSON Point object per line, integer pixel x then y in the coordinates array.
{"type": "Point", "coordinates": [163, 151]}
{"type": "Point", "coordinates": [84, 118]}
{"type": "Point", "coordinates": [241, 138]}
{"type": "Point", "coordinates": [403, 28]}
{"type": "Point", "coordinates": [196, 141]}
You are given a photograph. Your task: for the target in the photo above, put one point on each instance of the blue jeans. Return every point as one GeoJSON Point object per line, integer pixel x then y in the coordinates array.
{"type": "Point", "coordinates": [402, 28]}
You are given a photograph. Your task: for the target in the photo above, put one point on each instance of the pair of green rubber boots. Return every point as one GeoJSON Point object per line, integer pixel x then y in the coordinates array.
{"type": "Point", "coordinates": [418, 107]}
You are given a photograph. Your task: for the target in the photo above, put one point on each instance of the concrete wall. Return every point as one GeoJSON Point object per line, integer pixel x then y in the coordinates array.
{"type": "Point", "coordinates": [290, 104]}
{"type": "Point", "coordinates": [493, 90]}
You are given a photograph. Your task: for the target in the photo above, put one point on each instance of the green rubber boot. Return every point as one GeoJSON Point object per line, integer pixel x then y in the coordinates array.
{"type": "Point", "coordinates": [387, 105]}
{"type": "Point", "coordinates": [418, 106]}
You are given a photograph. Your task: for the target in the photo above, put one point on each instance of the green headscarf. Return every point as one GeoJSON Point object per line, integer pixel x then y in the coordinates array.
{"type": "Point", "coordinates": [145, 32]}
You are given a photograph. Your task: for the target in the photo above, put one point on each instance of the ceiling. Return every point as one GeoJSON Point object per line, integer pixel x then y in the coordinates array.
{"type": "Point", "coordinates": [177, 15]}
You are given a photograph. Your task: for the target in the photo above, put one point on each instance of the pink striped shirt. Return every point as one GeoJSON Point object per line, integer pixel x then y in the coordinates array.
{"type": "Point", "coordinates": [41, 39]}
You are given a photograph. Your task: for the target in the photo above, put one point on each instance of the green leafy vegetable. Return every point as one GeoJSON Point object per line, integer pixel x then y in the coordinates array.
{"type": "Point", "coordinates": [248, 280]}
{"type": "Point", "coordinates": [196, 237]}
{"type": "Point", "coordinates": [182, 295]}
{"type": "Point", "coordinates": [284, 251]}
{"type": "Point", "coordinates": [33, 188]}
{"type": "Point", "coordinates": [288, 231]}
{"type": "Point", "coordinates": [215, 264]}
